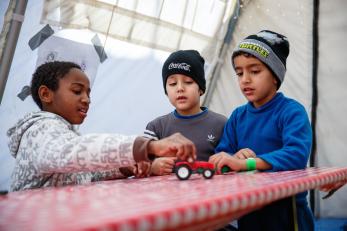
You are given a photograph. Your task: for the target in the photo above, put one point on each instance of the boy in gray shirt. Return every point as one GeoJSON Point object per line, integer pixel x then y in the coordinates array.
{"type": "Point", "coordinates": [184, 82]}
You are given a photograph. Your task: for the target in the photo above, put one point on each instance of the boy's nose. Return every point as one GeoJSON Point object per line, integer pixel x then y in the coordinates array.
{"type": "Point", "coordinates": [180, 87]}
{"type": "Point", "coordinates": [86, 99]}
{"type": "Point", "coordinates": [245, 78]}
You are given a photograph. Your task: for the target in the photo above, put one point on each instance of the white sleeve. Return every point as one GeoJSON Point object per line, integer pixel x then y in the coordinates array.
{"type": "Point", "coordinates": [57, 149]}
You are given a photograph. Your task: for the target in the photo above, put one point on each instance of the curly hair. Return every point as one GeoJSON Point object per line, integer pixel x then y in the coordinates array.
{"type": "Point", "coordinates": [49, 74]}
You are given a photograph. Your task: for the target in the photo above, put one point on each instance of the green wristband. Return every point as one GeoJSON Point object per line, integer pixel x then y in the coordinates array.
{"type": "Point", "coordinates": [251, 164]}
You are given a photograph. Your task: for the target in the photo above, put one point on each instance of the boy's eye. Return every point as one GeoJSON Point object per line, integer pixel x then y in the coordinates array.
{"type": "Point", "coordinates": [77, 92]}
{"type": "Point", "coordinates": [255, 71]}
{"type": "Point", "coordinates": [189, 82]}
{"type": "Point", "coordinates": [239, 74]}
{"type": "Point", "coordinates": [172, 84]}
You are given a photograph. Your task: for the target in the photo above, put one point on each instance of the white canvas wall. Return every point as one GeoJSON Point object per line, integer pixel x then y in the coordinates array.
{"type": "Point", "coordinates": [291, 18]}
{"type": "Point", "coordinates": [127, 91]}
{"type": "Point", "coordinates": [332, 106]}
{"type": "Point", "coordinates": [126, 94]}
{"type": "Point", "coordinates": [294, 19]}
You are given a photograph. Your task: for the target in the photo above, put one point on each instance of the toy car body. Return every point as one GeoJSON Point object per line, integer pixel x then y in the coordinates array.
{"type": "Point", "coordinates": [184, 169]}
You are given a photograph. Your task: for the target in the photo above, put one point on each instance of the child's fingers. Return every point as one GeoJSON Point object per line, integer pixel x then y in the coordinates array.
{"type": "Point", "coordinates": [186, 152]}
{"type": "Point", "coordinates": [182, 153]}
{"type": "Point", "coordinates": [220, 164]}
{"type": "Point", "coordinates": [337, 185]}
{"type": "Point", "coordinates": [135, 170]}
{"type": "Point", "coordinates": [215, 159]}
{"type": "Point", "coordinates": [239, 155]}
{"type": "Point", "coordinates": [167, 170]}
{"type": "Point", "coordinates": [163, 165]}
{"type": "Point", "coordinates": [170, 160]}
{"type": "Point", "coordinates": [212, 158]}
{"type": "Point", "coordinates": [193, 153]}
{"type": "Point", "coordinates": [168, 166]}
{"type": "Point", "coordinates": [250, 153]}
{"type": "Point", "coordinates": [179, 146]}
{"type": "Point", "coordinates": [224, 161]}
{"type": "Point", "coordinates": [245, 154]}
{"type": "Point", "coordinates": [186, 149]}
{"type": "Point", "coordinates": [143, 169]}
{"type": "Point", "coordinates": [170, 152]}
{"type": "Point", "coordinates": [155, 170]}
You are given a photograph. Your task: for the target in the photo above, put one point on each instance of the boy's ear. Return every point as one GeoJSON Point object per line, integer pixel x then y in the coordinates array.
{"type": "Point", "coordinates": [45, 94]}
{"type": "Point", "coordinates": [201, 92]}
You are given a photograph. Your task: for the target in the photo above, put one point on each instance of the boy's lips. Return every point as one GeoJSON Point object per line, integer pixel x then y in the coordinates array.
{"type": "Point", "coordinates": [83, 111]}
{"type": "Point", "coordinates": [181, 98]}
{"type": "Point", "coordinates": [248, 91]}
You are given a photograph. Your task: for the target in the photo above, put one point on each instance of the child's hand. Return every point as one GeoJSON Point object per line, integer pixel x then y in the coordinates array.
{"type": "Point", "coordinates": [245, 153]}
{"type": "Point", "coordinates": [163, 165]}
{"type": "Point", "coordinates": [331, 188]}
{"type": "Point", "coordinates": [222, 158]}
{"type": "Point", "coordinates": [175, 145]}
{"type": "Point", "coordinates": [142, 169]}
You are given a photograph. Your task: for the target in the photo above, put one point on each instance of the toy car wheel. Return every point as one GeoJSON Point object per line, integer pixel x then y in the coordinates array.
{"type": "Point", "coordinates": [208, 173]}
{"type": "Point", "coordinates": [183, 172]}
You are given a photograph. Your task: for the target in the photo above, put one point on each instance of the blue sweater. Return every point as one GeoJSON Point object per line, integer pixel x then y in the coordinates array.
{"type": "Point", "coordinates": [279, 132]}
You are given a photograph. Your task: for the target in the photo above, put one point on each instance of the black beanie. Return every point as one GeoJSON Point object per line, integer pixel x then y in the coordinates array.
{"type": "Point", "coordinates": [185, 62]}
{"type": "Point", "coordinates": [269, 47]}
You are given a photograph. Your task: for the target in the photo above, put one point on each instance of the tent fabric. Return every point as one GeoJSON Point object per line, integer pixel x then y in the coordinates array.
{"type": "Point", "coordinates": [194, 24]}
{"type": "Point", "coordinates": [137, 37]}
{"type": "Point", "coordinates": [294, 19]}
{"type": "Point", "coordinates": [199, 25]}
{"type": "Point", "coordinates": [127, 92]}
{"type": "Point", "coordinates": [260, 15]}
{"type": "Point", "coordinates": [332, 108]}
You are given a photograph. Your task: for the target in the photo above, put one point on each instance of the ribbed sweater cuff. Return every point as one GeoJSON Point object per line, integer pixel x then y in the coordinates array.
{"type": "Point", "coordinates": [140, 149]}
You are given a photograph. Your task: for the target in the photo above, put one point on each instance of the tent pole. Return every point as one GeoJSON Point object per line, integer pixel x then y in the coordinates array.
{"type": "Point", "coordinates": [315, 51]}
{"type": "Point", "coordinates": [11, 43]}
{"type": "Point", "coordinates": [216, 71]}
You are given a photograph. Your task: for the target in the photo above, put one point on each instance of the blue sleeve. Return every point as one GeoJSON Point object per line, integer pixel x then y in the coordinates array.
{"type": "Point", "coordinates": [228, 141]}
{"type": "Point", "coordinates": [297, 140]}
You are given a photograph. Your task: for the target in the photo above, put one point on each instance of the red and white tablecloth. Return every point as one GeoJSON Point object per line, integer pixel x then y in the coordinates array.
{"type": "Point", "coordinates": [156, 203]}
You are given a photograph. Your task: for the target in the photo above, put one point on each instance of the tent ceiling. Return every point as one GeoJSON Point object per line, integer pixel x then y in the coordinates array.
{"type": "Point", "coordinates": [167, 25]}
{"type": "Point", "coordinates": [130, 28]}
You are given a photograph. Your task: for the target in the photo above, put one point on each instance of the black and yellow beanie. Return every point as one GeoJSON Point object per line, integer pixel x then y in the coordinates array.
{"type": "Point", "coordinates": [269, 47]}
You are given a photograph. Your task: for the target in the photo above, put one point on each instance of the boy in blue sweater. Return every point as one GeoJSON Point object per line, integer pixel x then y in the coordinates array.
{"type": "Point", "coordinates": [271, 132]}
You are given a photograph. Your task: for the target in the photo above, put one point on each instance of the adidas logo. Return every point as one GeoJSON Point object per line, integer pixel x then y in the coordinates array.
{"type": "Point", "coordinates": [211, 138]}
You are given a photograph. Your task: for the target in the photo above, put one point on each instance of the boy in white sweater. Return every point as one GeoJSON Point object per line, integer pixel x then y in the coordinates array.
{"type": "Point", "coordinates": [49, 152]}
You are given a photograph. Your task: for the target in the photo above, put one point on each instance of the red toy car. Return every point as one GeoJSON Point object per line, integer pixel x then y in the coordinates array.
{"type": "Point", "coordinates": [184, 169]}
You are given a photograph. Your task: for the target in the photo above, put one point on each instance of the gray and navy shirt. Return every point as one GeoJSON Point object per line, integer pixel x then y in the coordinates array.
{"type": "Point", "coordinates": [204, 129]}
